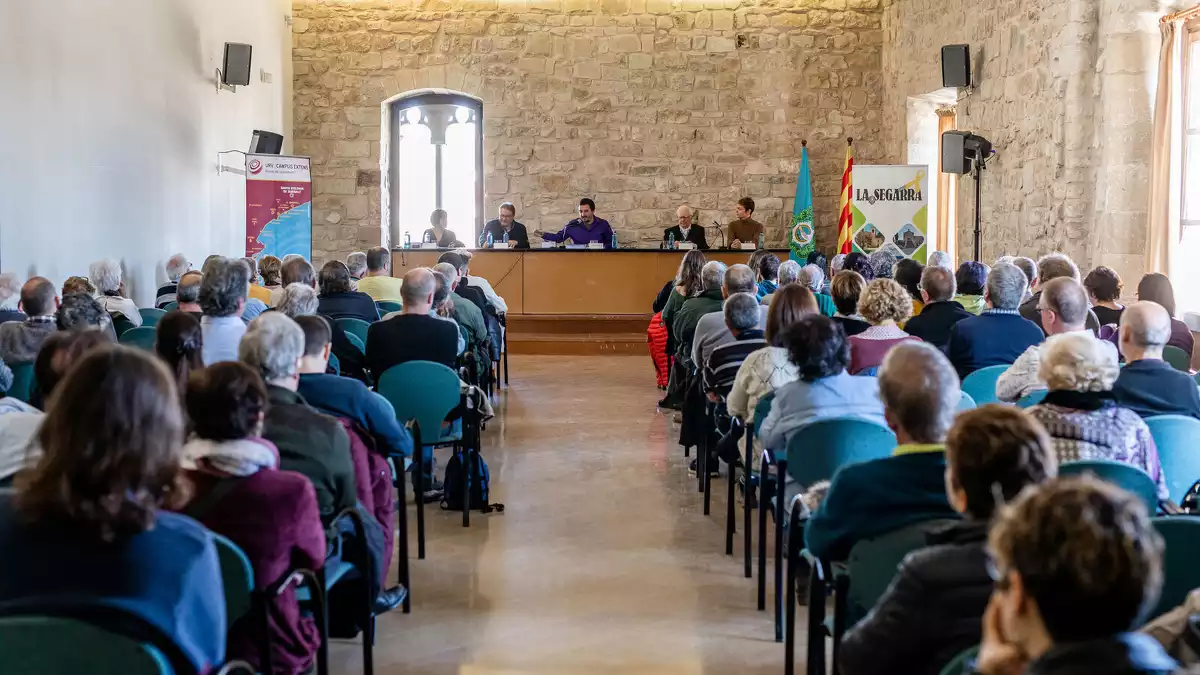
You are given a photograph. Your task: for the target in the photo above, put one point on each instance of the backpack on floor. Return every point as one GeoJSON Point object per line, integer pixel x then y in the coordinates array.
{"type": "Point", "coordinates": [452, 497]}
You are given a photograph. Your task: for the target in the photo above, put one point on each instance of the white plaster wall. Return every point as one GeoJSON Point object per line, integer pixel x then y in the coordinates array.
{"type": "Point", "coordinates": [110, 125]}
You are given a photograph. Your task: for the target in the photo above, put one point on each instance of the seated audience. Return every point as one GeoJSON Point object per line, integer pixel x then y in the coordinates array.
{"type": "Point", "coordinates": [846, 289]}
{"type": "Point", "coordinates": [178, 342]}
{"type": "Point", "coordinates": [75, 285]}
{"type": "Point", "coordinates": [239, 492]}
{"type": "Point", "coordinates": [413, 334]}
{"type": "Point", "coordinates": [356, 262]}
{"type": "Point", "coordinates": [294, 270]}
{"type": "Point", "coordinates": [812, 277]}
{"type": "Point", "coordinates": [721, 366]}
{"type": "Point", "coordinates": [270, 268]}
{"type": "Point", "coordinates": [1103, 286]}
{"type": "Point", "coordinates": [788, 271]}
{"type": "Point", "coordinates": [379, 282]}
{"type": "Point", "coordinates": [482, 284]}
{"type": "Point", "coordinates": [187, 294]}
{"type": "Point", "coordinates": [468, 316]}
{"type": "Point", "coordinates": [20, 342]}
{"type": "Point", "coordinates": [768, 275]}
{"type": "Point", "coordinates": [711, 298]}
{"type": "Point", "coordinates": [1064, 305]}
{"type": "Point", "coordinates": [459, 290]}
{"type": "Point", "coordinates": [687, 284]}
{"type": "Point", "coordinates": [10, 298]}
{"type": "Point", "coordinates": [712, 330]}
{"type": "Point", "coordinates": [1148, 385]}
{"type": "Point", "coordinates": [59, 352]}
{"type": "Point", "coordinates": [1080, 414]}
{"type": "Point", "coordinates": [971, 279]}
{"type": "Point", "coordinates": [106, 275]}
{"type": "Point", "coordinates": [1175, 631]}
{"type": "Point", "coordinates": [19, 425]}
{"type": "Point", "coordinates": [90, 519]}
{"type": "Point", "coordinates": [223, 290]}
{"type": "Point", "coordinates": [908, 274]}
{"type": "Point", "coordinates": [819, 350]}
{"type": "Point", "coordinates": [883, 262]}
{"type": "Point", "coordinates": [338, 300]}
{"type": "Point", "coordinates": [309, 443]}
{"type": "Point", "coordinates": [999, 335]}
{"type": "Point", "coordinates": [920, 395]}
{"type": "Point", "coordinates": [939, 311]}
{"type": "Point", "coordinates": [1029, 267]}
{"type": "Point", "coordinates": [940, 259]}
{"type": "Point", "coordinates": [79, 311]}
{"type": "Point", "coordinates": [1157, 288]}
{"type": "Point", "coordinates": [884, 304]}
{"type": "Point", "coordinates": [442, 308]}
{"type": "Point", "coordinates": [1051, 267]}
{"type": "Point", "coordinates": [177, 265]}
{"type": "Point", "coordinates": [301, 300]}
{"type": "Point", "coordinates": [769, 368]}
{"type": "Point", "coordinates": [930, 612]}
{"type": "Point", "coordinates": [257, 292]}
{"type": "Point", "coordinates": [1076, 565]}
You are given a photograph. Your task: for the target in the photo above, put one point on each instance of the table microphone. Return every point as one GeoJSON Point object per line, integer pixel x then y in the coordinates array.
{"type": "Point", "coordinates": [721, 232]}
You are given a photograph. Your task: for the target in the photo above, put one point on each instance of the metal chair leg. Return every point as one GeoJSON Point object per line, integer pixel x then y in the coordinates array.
{"type": "Point", "coordinates": [402, 565]}
{"type": "Point", "coordinates": [466, 486]}
{"type": "Point", "coordinates": [368, 633]}
{"type": "Point", "coordinates": [747, 496]}
{"type": "Point", "coordinates": [505, 355]}
{"type": "Point", "coordinates": [764, 474]}
{"type": "Point", "coordinates": [816, 619]}
{"type": "Point", "coordinates": [321, 615]}
{"type": "Point", "coordinates": [730, 511]}
{"type": "Point", "coordinates": [841, 595]}
{"type": "Point", "coordinates": [789, 648]}
{"type": "Point", "coordinates": [781, 472]}
{"type": "Point", "coordinates": [419, 496]}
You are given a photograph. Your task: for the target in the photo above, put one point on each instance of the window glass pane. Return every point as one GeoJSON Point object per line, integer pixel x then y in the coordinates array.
{"type": "Point", "coordinates": [459, 176]}
{"type": "Point", "coordinates": [1191, 175]}
{"type": "Point", "coordinates": [415, 178]}
{"type": "Point", "coordinates": [1192, 96]}
{"type": "Point", "coordinates": [1186, 277]}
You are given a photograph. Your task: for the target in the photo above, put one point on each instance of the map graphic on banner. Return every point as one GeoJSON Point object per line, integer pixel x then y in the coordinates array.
{"type": "Point", "coordinates": [278, 206]}
{"type": "Point", "coordinates": [891, 205]}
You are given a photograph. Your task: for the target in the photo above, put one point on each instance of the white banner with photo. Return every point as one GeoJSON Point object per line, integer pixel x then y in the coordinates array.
{"type": "Point", "coordinates": [890, 207]}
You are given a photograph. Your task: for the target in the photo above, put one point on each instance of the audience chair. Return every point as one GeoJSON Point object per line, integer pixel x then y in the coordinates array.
{"type": "Point", "coordinates": [1178, 358]}
{"type": "Point", "coordinates": [151, 316]}
{"type": "Point", "coordinates": [49, 645]}
{"type": "Point", "coordinates": [335, 364]}
{"type": "Point", "coordinates": [961, 665]}
{"type": "Point", "coordinates": [731, 494]}
{"type": "Point", "coordinates": [1181, 573]}
{"type": "Point", "coordinates": [423, 393]}
{"type": "Point", "coordinates": [1124, 476]}
{"type": "Point", "coordinates": [1030, 400]}
{"type": "Point", "coordinates": [763, 498]}
{"type": "Point", "coordinates": [387, 307]}
{"type": "Point", "coordinates": [142, 337]}
{"type": "Point", "coordinates": [315, 596]}
{"type": "Point", "coordinates": [747, 498]}
{"type": "Point", "coordinates": [170, 306]}
{"type": "Point", "coordinates": [357, 342]}
{"type": "Point", "coordinates": [358, 328]}
{"type": "Point", "coordinates": [1175, 436]}
{"type": "Point", "coordinates": [981, 384]}
{"type": "Point", "coordinates": [120, 324]}
{"type": "Point", "coordinates": [22, 384]}
{"type": "Point", "coordinates": [965, 402]}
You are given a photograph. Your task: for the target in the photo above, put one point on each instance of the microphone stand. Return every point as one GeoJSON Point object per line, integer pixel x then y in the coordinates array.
{"type": "Point", "coordinates": [721, 232]}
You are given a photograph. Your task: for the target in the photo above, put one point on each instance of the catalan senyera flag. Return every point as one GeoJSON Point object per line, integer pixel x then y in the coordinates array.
{"type": "Point", "coordinates": [845, 215]}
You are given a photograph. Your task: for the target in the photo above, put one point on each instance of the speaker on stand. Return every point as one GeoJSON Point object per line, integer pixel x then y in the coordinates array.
{"type": "Point", "coordinates": [964, 152]}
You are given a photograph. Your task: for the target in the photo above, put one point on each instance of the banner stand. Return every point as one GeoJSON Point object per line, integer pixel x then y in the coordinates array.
{"type": "Point", "coordinates": [278, 206]}
{"type": "Point", "coordinates": [891, 209]}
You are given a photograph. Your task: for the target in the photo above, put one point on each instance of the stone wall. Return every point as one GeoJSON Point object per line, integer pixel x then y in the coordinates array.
{"type": "Point", "coordinates": [640, 104]}
{"type": "Point", "coordinates": [1064, 89]}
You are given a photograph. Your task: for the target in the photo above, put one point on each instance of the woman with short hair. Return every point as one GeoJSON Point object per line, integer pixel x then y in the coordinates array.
{"type": "Point", "coordinates": [90, 520]}
{"type": "Point", "coordinates": [1080, 413]}
{"type": "Point", "coordinates": [1103, 285]}
{"type": "Point", "coordinates": [1157, 288]}
{"type": "Point", "coordinates": [178, 342]}
{"type": "Point", "coordinates": [970, 279]}
{"type": "Point", "coordinates": [884, 305]}
{"type": "Point", "coordinates": [846, 288]}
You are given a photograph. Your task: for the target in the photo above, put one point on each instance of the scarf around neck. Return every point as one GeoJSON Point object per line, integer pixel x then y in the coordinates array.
{"type": "Point", "coordinates": [240, 458]}
{"type": "Point", "coordinates": [1080, 400]}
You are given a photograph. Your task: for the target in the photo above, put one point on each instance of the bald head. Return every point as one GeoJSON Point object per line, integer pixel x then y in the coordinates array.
{"type": "Point", "coordinates": [1145, 330]}
{"type": "Point", "coordinates": [417, 292]}
{"type": "Point", "coordinates": [920, 392]}
{"type": "Point", "coordinates": [39, 297]}
{"type": "Point", "coordinates": [739, 279]}
{"type": "Point", "coordinates": [1068, 300]}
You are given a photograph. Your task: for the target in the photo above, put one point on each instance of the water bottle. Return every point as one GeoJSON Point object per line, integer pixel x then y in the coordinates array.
{"type": "Point", "coordinates": [614, 242]}
{"type": "Point", "coordinates": [762, 240]}
{"type": "Point", "coordinates": [427, 238]}
{"type": "Point", "coordinates": [505, 239]}
{"type": "Point", "coordinates": [671, 241]}
{"type": "Point", "coordinates": [407, 240]}
{"type": "Point", "coordinates": [490, 241]}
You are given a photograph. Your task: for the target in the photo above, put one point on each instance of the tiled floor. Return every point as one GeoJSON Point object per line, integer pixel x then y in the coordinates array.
{"type": "Point", "coordinates": [602, 562]}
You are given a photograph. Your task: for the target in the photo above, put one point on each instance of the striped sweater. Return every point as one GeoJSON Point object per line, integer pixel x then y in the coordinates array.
{"type": "Point", "coordinates": [720, 370]}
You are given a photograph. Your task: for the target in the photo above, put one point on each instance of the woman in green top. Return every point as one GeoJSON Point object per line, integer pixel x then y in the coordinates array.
{"type": "Point", "coordinates": [687, 285]}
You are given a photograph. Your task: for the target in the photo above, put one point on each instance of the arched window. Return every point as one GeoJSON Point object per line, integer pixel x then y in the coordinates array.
{"type": "Point", "coordinates": [435, 157]}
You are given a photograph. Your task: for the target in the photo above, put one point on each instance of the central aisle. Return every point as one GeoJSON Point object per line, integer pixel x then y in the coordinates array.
{"type": "Point", "coordinates": [602, 562]}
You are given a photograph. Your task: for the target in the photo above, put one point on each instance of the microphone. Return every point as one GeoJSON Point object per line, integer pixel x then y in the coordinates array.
{"type": "Point", "coordinates": [721, 232]}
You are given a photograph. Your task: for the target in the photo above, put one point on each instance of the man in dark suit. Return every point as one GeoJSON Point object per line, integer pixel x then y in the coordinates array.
{"type": "Point", "coordinates": [413, 335]}
{"type": "Point", "coordinates": [506, 224]}
{"type": "Point", "coordinates": [940, 312]}
{"type": "Point", "coordinates": [685, 231]}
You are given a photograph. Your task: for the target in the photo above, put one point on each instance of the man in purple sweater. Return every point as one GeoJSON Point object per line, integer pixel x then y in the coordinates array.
{"type": "Point", "coordinates": [586, 229]}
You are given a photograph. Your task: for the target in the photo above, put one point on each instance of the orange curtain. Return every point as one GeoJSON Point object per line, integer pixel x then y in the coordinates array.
{"type": "Point", "coordinates": [1166, 163]}
{"type": "Point", "coordinates": [947, 193]}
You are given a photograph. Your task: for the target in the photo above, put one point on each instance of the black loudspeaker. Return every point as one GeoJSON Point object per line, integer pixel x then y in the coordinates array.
{"type": "Point", "coordinates": [266, 143]}
{"type": "Point", "coordinates": [954, 156]}
{"type": "Point", "coordinates": [956, 66]}
{"type": "Point", "coordinates": [235, 70]}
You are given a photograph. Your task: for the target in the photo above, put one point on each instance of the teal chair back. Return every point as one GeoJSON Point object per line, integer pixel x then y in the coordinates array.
{"type": "Point", "coordinates": [423, 391]}
{"type": "Point", "coordinates": [1124, 476]}
{"type": "Point", "coordinates": [965, 402]}
{"type": "Point", "coordinates": [357, 342]}
{"type": "Point", "coordinates": [237, 574]}
{"type": "Point", "coordinates": [1030, 400]}
{"type": "Point", "coordinates": [763, 409]}
{"type": "Point", "coordinates": [873, 563]}
{"type": "Point", "coordinates": [142, 337]}
{"type": "Point", "coordinates": [120, 324]}
{"type": "Point", "coordinates": [387, 307]}
{"type": "Point", "coordinates": [357, 328]}
{"type": "Point", "coordinates": [335, 364]}
{"type": "Point", "coordinates": [1179, 359]}
{"type": "Point", "coordinates": [55, 646]}
{"type": "Point", "coordinates": [170, 306]}
{"type": "Point", "coordinates": [818, 450]}
{"type": "Point", "coordinates": [981, 384]}
{"type": "Point", "coordinates": [1181, 573]}
{"type": "Point", "coordinates": [22, 385]}
{"type": "Point", "coordinates": [959, 666]}
{"type": "Point", "coordinates": [1176, 437]}
{"type": "Point", "coordinates": [151, 316]}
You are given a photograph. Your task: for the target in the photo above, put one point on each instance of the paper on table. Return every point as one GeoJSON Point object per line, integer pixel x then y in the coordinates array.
{"type": "Point", "coordinates": [549, 244]}
{"type": "Point", "coordinates": [749, 247]}
{"type": "Point", "coordinates": [595, 245]}
{"type": "Point", "coordinates": [686, 245]}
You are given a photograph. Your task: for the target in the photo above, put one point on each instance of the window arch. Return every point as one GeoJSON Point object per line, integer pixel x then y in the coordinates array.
{"type": "Point", "coordinates": [435, 161]}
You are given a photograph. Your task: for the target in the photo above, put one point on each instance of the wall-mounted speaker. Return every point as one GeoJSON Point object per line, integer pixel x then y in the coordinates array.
{"type": "Point", "coordinates": [266, 143]}
{"type": "Point", "coordinates": [956, 66]}
{"type": "Point", "coordinates": [235, 68]}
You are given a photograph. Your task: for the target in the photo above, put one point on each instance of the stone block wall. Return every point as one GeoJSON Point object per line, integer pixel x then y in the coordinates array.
{"type": "Point", "coordinates": [640, 104]}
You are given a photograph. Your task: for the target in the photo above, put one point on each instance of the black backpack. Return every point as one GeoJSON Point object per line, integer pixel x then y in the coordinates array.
{"type": "Point", "coordinates": [452, 498]}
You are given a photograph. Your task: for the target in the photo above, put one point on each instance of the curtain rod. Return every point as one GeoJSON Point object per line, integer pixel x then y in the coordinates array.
{"type": "Point", "coordinates": [1182, 15]}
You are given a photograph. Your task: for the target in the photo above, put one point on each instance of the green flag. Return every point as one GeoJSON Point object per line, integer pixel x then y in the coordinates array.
{"type": "Point", "coordinates": [800, 238]}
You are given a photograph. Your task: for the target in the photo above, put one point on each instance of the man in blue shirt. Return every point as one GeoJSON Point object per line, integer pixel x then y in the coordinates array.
{"type": "Point", "coordinates": [585, 229]}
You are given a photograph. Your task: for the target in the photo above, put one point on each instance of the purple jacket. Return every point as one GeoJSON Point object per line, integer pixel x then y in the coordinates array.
{"type": "Point", "coordinates": [272, 516]}
{"type": "Point", "coordinates": [578, 233]}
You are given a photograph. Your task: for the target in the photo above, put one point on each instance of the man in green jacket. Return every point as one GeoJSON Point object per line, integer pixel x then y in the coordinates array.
{"type": "Point", "coordinates": [710, 300]}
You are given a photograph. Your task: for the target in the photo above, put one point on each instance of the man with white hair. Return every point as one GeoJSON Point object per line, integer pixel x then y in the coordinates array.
{"type": "Point", "coordinates": [941, 259]}
{"type": "Point", "coordinates": [300, 299]}
{"type": "Point", "coordinates": [684, 231]}
{"type": "Point", "coordinates": [1148, 385]}
{"type": "Point", "coordinates": [1063, 304]}
{"type": "Point", "coordinates": [357, 264]}
{"type": "Point", "coordinates": [177, 266]}
{"type": "Point", "coordinates": [999, 335]}
{"type": "Point", "coordinates": [106, 275]}
{"type": "Point", "coordinates": [224, 290]}
{"type": "Point", "coordinates": [10, 298]}
{"type": "Point", "coordinates": [466, 314]}
{"type": "Point", "coordinates": [712, 330]}
{"type": "Point", "coordinates": [813, 278]}
{"type": "Point", "coordinates": [309, 443]}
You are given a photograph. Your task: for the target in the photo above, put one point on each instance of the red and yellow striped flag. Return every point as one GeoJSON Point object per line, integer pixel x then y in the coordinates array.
{"type": "Point", "coordinates": [846, 216]}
